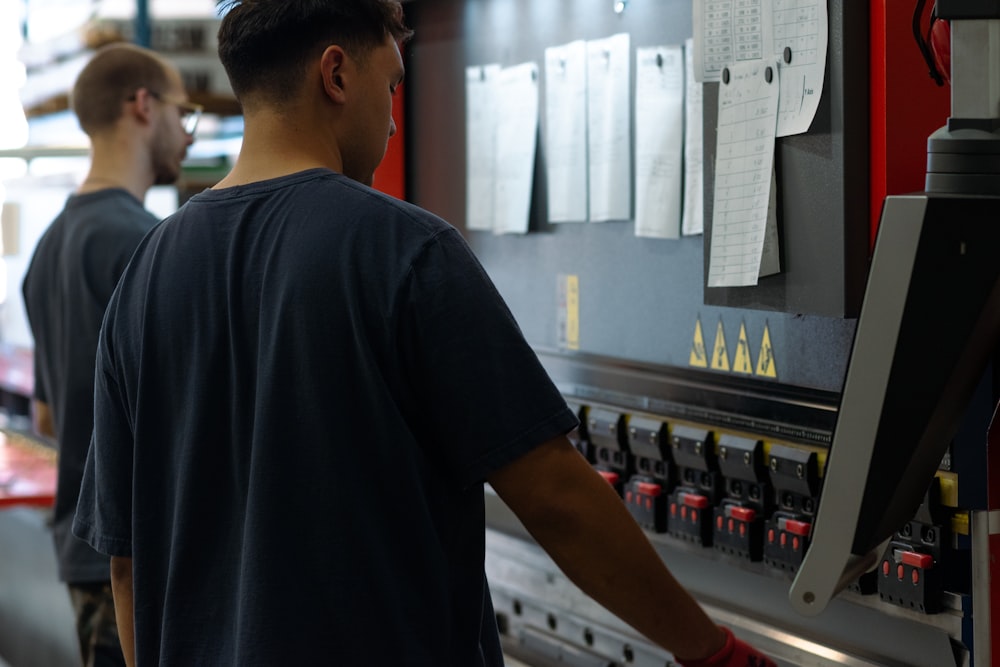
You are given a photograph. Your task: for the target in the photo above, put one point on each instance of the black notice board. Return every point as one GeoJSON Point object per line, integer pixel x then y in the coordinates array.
{"type": "Point", "coordinates": [822, 188]}
{"type": "Point", "coordinates": [641, 298]}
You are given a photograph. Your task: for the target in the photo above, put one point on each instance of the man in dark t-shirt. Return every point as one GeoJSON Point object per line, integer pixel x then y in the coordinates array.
{"type": "Point", "coordinates": [301, 428]}
{"type": "Point", "coordinates": [302, 385]}
{"type": "Point", "coordinates": [137, 140]}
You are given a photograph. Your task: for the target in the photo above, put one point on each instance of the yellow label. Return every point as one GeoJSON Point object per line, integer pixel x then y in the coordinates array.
{"type": "Point", "coordinates": [698, 356]}
{"type": "Point", "coordinates": [765, 360]}
{"type": "Point", "coordinates": [573, 312]}
{"type": "Point", "coordinates": [949, 488]}
{"type": "Point", "coordinates": [742, 362]}
{"type": "Point", "coordinates": [720, 358]}
{"type": "Point", "coordinates": [960, 523]}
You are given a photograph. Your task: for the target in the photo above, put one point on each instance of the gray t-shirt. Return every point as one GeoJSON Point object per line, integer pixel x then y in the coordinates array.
{"type": "Point", "coordinates": [73, 271]}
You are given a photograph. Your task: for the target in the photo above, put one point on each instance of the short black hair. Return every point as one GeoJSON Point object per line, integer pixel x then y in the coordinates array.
{"type": "Point", "coordinates": [266, 45]}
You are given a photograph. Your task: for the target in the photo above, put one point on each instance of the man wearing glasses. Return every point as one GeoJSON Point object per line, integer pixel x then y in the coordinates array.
{"type": "Point", "coordinates": [133, 106]}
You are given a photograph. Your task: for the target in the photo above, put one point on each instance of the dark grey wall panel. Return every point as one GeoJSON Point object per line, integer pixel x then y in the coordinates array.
{"type": "Point", "coordinates": [639, 298]}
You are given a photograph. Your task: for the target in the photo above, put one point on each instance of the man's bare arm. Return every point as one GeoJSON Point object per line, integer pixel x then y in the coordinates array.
{"type": "Point", "coordinates": [121, 587]}
{"type": "Point", "coordinates": [41, 417]}
{"type": "Point", "coordinates": [575, 515]}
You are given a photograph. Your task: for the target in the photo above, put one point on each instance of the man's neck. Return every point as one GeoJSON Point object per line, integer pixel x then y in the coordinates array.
{"type": "Point", "coordinates": [95, 184]}
{"type": "Point", "coordinates": [274, 147]}
{"type": "Point", "coordinates": [118, 164]}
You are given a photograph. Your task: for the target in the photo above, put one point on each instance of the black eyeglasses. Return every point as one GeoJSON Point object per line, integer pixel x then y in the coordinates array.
{"type": "Point", "coordinates": [189, 112]}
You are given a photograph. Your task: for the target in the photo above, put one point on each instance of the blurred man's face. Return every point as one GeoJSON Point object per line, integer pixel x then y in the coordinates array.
{"type": "Point", "coordinates": [171, 139]}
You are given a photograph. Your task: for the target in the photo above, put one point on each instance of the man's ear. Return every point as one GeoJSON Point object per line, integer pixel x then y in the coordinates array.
{"type": "Point", "coordinates": [333, 66]}
{"type": "Point", "coordinates": [141, 106]}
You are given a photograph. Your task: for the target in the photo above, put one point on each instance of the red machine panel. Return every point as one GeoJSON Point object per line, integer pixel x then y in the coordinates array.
{"type": "Point", "coordinates": [390, 176]}
{"type": "Point", "coordinates": [906, 105]}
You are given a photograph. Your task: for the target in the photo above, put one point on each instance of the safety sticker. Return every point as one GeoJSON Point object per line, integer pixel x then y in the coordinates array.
{"type": "Point", "coordinates": [765, 360]}
{"type": "Point", "coordinates": [698, 356]}
{"type": "Point", "coordinates": [741, 361]}
{"type": "Point", "coordinates": [720, 358]}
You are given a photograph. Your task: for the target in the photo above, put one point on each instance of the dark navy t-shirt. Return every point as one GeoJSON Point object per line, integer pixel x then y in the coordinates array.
{"type": "Point", "coordinates": [72, 274]}
{"type": "Point", "coordinates": [301, 386]}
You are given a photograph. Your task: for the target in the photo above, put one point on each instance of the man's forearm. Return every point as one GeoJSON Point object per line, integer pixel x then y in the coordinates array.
{"type": "Point", "coordinates": [41, 417]}
{"type": "Point", "coordinates": [586, 529]}
{"type": "Point", "coordinates": [121, 587]}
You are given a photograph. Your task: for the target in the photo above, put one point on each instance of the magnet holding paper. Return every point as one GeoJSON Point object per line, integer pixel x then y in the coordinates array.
{"type": "Point", "coordinates": [619, 6]}
{"type": "Point", "coordinates": [768, 74]}
{"type": "Point", "coordinates": [787, 54]}
{"type": "Point", "coordinates": [725, 75]}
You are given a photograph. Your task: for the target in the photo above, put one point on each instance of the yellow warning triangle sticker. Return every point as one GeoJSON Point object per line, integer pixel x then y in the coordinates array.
{"type": "Point", "coordinates": [720, 358]}
{"type": "Point", "coordinates": [765, 360]}
{"type": "Point", "coordinates": [698, 357]}
{"type": "Point", "coordinates": [741, 361]}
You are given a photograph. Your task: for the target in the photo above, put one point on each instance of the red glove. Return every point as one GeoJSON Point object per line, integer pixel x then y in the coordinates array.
{"type": "Point", "coordinates": [735, 653]}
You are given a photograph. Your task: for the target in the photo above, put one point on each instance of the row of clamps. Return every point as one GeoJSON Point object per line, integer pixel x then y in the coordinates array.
{"type": "Point", "coordinates": [723, 491]}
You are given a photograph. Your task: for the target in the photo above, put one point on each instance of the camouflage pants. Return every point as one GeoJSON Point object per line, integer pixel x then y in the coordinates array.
{"type": "Point", "coordinates": [95, 625]}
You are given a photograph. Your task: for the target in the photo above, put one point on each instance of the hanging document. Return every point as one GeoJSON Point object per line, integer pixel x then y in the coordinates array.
{"type": "Point", "coordinates": [566, 131]}
{"type": "Point", "coordinates": [480, 145]}
{"type": "Point", "coordinates": [517, 136]}
{"type": "Point", "coordinates": [659, 123]}
{"type": "Point", "coordinates": [609, 115]}
{"type": "Point", "coordinates": [748, 109]}
{"type": "Point", "coordinates": [794, 32]}
{"type": "Point", "coordinates": [693, 217]}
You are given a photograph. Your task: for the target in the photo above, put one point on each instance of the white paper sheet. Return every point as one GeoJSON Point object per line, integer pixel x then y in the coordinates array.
{"type": "Point", "coordinates": [609, 114]}
{"type": "Point", "coordinates": [793, 31]}
{"type": "Point", "coordinates": [517, 136]}
{"type": "Point", "coordinates": [727, 32]}
{"type": "Point", "coordinates": [480, 145]}
{"type": "Point", "coordinates": [770, 255]}
{"type": "Point", "coordinates": [748, 108]}
{"type": "Point", "coordinates": [659, 123]}
{"type": "Point", "coordinates": [693, 218]}
{"type": "Point", "coordinates": [566, 131]}
{"type": "Point", "coordinates": [801, 27]}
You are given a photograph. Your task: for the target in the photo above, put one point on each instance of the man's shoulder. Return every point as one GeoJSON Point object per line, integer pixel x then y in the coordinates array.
{"type": "Point", "coordinates": [123, 212]}
{"type": "Point", "coordinates": [346, 198]}
{"type": "Point", "coordinates": [102, 215]}
{"type": "Point", "coordinates": [384, 203]}
{"type": "Point", "coordinates": [47, 250]}
{"type": "Point", "coordinates": [320, 195]}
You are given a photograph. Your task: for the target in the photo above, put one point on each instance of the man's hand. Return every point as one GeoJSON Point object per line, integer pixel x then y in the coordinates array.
{"type": "Point", "coordinates": [735, 653]}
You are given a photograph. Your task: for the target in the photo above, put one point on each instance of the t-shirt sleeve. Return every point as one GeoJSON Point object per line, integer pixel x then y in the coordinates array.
{"type": "Point", "coordinates": [113, 249]}
{"type": "Point", "coordinates": [484, 396]}
{"type": "Point", "coordinates": [104, 509]}
{"type": "Point", "coordinates": [39, 392]}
